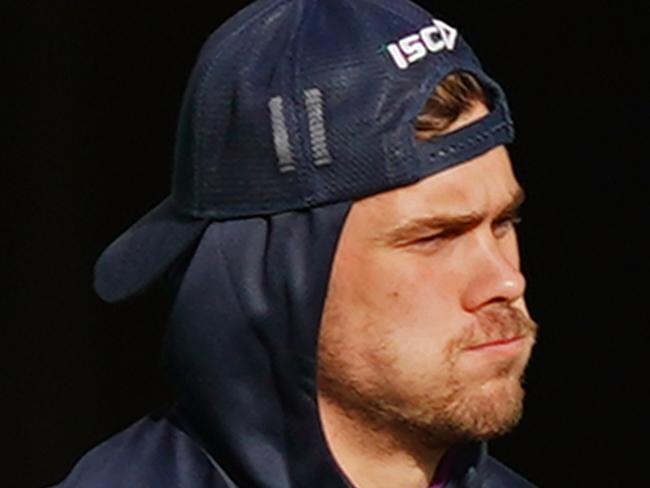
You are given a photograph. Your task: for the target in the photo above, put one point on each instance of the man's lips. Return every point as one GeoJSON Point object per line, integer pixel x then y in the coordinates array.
{"type": "Point", "coordinates": [495, 343]}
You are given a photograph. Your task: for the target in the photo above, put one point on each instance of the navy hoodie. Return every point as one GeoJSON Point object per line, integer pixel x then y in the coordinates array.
{"type": "Point", "coordinates": [242, 349]}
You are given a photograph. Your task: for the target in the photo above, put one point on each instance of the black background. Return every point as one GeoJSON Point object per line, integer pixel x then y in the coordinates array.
{"type": "Point", "coordinates": [92, 102]}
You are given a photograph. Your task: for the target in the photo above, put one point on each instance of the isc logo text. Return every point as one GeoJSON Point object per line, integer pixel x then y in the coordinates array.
{"type": "Point", "coordinates": [431, 39]}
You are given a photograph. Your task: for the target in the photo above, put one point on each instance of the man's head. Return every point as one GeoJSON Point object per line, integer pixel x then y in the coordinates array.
{"type": "Point", "coordinates": [314, 114]}
{"type": "Point", "coordinates": [300, 129]}
{"type": "Point", "coordinates": [425, 290]}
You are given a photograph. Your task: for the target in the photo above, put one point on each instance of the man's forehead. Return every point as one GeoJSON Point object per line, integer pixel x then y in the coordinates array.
{"type": "Point", "coordinates": [457, 189]}
{"type": "Point", "coordinates": [485, 179]}
{"type": "Point", "coordinates": [475, 186]}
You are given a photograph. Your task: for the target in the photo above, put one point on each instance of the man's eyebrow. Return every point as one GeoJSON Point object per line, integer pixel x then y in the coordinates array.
{"type": "Point", "coordinates": [449, 222]}
{"type": "Point", "coordinates": [512, 207]}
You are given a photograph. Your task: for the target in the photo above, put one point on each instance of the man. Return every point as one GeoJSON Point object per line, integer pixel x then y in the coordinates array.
{"type": "Point", "coordinates": [348, 306]}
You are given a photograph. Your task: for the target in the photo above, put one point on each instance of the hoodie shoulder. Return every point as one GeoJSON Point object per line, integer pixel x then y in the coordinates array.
{"type": "Point", "coordinates": [154, 453]}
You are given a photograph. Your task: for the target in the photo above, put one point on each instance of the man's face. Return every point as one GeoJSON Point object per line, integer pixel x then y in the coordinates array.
{"type": "Point", "coordinates": [425, 325]}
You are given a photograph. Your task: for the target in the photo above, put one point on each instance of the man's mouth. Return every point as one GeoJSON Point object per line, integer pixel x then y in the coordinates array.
{"type": "Point", "coordinates": [496, 343]}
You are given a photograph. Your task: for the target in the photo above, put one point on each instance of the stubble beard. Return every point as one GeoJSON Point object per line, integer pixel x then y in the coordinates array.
{"type": "Point", "coordinates": [443, 414]}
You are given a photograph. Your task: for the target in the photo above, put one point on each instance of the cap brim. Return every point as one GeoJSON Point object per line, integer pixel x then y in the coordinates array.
{"type": "Point", "coordinates": [145, 251]}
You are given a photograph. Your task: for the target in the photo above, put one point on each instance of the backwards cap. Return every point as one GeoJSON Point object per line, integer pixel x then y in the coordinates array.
{"type": "Point", "coordinates": [294, 104]}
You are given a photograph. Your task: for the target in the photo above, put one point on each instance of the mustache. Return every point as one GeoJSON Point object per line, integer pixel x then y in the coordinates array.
{"type": "Point", "coordinates": [495, 323]}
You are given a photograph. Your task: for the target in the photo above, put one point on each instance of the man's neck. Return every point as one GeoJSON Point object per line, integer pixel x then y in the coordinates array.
{"type": "Point", "coordinates": [372, 457]}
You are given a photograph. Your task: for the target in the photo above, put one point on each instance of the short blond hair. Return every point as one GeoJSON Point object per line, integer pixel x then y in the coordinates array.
{"type": "Point", "coordinates": [455, 94]}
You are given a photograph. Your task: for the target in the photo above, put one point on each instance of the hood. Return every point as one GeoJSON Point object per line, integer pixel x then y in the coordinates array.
{"type": "Point", "coordinates": [242, 346]}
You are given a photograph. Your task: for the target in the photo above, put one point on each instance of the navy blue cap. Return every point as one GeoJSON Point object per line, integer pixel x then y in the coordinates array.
{"type": "Point", "coordinates": [294, 104]}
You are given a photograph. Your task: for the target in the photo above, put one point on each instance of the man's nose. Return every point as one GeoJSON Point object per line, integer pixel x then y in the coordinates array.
{"type": "Point", "coordinates": [493, 271]}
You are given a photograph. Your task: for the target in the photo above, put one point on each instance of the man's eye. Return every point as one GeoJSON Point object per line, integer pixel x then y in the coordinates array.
{"type": "Point", "coordinates": [434, 239]}
{"type": "Point", "coordinates": [504, 225]}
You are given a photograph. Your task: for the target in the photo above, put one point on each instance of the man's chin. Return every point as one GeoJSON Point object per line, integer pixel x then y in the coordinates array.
{"type": "Point", "coordinates": [490, 411]}
{"type": "Point", "coordinates": [488, 405]}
